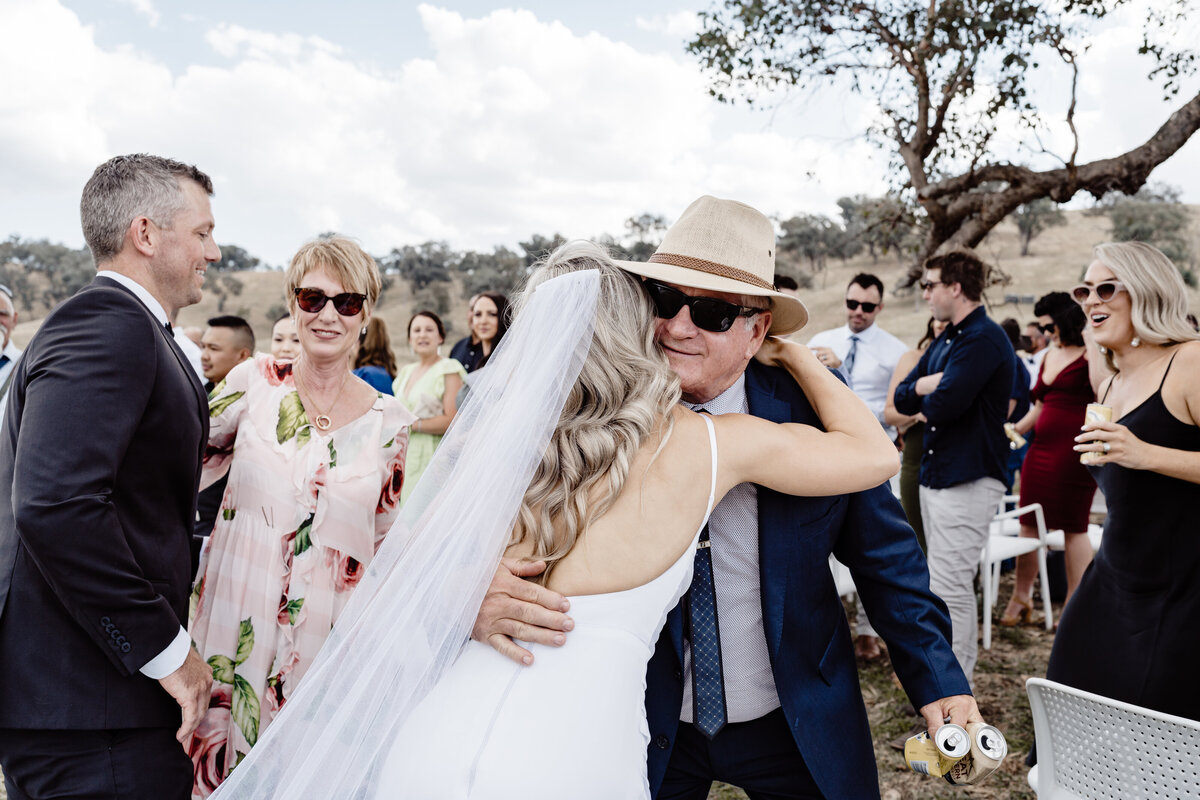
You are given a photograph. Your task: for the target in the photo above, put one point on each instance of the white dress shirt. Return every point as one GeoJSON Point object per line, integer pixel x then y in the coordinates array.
{"type": "Point", "coordinates": [13, 352]}
{"type": "Point", "coordinates": [733, 529]}
{"type": "Point", "coordinates": [874, 362]}
{"type": "Point", "coordinates": [191, 351]}
{"type": "Point", "coordinates": [176, 652]}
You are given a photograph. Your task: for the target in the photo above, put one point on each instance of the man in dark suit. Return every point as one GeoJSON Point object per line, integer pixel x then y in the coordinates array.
{"type": "Point", "coordinates": [785, 717]}
{"type": "Point", "coordinates": [99, 464]}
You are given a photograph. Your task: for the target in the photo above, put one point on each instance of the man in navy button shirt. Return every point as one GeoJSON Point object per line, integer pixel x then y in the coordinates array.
{"type": "Point", "coordinates": [962, 385]}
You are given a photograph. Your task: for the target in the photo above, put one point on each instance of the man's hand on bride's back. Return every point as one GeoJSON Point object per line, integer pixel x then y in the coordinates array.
{"type": "Point", "coordinates": [515, 608]}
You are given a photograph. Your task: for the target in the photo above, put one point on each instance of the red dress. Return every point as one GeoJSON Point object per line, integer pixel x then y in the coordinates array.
{"type": "Point", "coordinates": [1052, 474]}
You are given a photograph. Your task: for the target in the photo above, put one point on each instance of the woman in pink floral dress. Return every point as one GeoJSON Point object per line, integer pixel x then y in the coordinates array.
{"type": "Point", "coordinates": [316, 464]}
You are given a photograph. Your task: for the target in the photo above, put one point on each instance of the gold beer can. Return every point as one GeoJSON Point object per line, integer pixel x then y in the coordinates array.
{"type": "Point", "coordinates": [988, 750]}
{"type": "Point", "coordinates": [1095, 412]}
{"type": "Point", "coordinates": [937, 756]}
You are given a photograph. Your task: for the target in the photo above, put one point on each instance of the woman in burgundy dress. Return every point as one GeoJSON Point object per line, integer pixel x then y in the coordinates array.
{"type": "Point", "coordinates": [1052, 474]}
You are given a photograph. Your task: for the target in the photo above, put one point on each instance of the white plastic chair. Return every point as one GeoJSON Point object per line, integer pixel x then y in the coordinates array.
{"type": "Point", "coordinates": [1091, 747]}
{"type": "Point", "coordinates": [1002, 544]}
{"type": "Point", "coordinates": [1057, 540]}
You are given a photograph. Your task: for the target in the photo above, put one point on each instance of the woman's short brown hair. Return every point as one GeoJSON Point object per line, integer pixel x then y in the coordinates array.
{"type": "Point", "coordinates": [345, 260]}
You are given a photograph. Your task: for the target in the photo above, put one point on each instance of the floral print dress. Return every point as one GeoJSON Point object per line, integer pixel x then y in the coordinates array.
{"type": "Point", "coordinates": [303, 514]}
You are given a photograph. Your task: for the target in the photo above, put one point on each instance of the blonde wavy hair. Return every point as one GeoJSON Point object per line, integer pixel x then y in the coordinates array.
{"type": "Point", "coordinates": [1157, 293]}
{"type": "Point", "coordinates": [624, 393]}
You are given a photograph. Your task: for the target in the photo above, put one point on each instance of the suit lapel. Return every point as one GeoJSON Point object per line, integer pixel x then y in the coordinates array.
{"type": "Point", "coordinates": [197, 387]}
{"type": "Point", "coordinates": [772, 530]}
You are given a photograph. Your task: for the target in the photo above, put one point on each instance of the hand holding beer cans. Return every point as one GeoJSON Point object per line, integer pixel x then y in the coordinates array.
{"type": "Point", "coordinates": [963, 756]}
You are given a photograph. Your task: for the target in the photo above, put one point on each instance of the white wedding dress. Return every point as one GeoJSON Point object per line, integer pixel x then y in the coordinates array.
{"type": "Point", "coordinates": [572, 725]}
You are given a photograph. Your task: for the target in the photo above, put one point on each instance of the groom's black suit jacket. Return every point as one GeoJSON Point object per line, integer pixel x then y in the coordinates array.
{"type": "Point", "coordinates": [99, 465]}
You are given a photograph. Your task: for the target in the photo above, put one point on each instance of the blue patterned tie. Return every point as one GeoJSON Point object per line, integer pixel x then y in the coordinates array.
{"type": "Point", "coordinates": [849, 361]}
{"type": "Point", "coordinates": [708, 694]}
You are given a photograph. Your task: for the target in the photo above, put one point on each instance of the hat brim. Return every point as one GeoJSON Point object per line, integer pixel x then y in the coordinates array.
{"type": "Point", "coordinates": [788, 314]}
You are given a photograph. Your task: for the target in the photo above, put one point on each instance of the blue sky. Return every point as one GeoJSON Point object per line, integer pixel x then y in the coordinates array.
{"type": "Point", "coordinates": [468, 121]}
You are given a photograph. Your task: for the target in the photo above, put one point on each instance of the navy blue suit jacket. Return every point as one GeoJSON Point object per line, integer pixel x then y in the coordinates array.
{"type": "Point", "coordinates": [808, 638]}
{"type": "Point", "coordinates": [99, 463]}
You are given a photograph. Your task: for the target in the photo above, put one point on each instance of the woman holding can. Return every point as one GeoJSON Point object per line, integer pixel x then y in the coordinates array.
{"type": "Point", "coordinates": [1130, 631]}
{"type": "Point", "coordinates": [1052, 475]}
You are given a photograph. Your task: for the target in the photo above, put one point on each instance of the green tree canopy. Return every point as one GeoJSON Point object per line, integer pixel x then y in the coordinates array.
{"type": "Point", "coordinates": [945, 74]}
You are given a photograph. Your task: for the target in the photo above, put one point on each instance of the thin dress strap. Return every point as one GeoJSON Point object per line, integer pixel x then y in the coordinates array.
{"type": "Point", "coordinates": [1163, 382]}
{"type": "Point", "coordinates": [712, 443]}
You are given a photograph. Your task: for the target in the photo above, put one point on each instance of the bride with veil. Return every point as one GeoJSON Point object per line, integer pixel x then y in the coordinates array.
{"type": "Point", "coordinates": [573, 450]}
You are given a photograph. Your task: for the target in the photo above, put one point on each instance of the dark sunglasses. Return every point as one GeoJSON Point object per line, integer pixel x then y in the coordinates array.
{"type": "Point", "coordinates": [1105, 290]}
{"type": "Point", "coordinates": [313, 300]}
{"type": "Point", "coordinates": [1047, 328]}
{"type": "Point", "coordinates": [708, 313]}
{"type": "Point", "coordinates": [927, 285]}
{"type": "Point", "coordinates": [868, 308]}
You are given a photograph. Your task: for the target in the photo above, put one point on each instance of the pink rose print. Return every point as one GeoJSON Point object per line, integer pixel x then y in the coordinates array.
{"type": "Point", "coordinates": [347, 571]}
{"type": "Point", "coordinates": [275, 372]}
{"type": "Point", "coordinates": [393, 482]}
{"type": "Point", "coordinates": [207, 748]}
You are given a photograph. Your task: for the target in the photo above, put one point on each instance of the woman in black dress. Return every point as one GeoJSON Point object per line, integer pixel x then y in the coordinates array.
{"type": "Point", "coordinates": [1132, 630]}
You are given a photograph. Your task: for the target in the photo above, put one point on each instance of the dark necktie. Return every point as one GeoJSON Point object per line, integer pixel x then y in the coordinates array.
{"type": "Point", "coordinates": [708, 695]}
{"type": "Point", "coordinates": [853, 354]}
{"type": "Point", "coordinates": [3, 360]}
{"type": "Point", "coordinates": [170, 330]}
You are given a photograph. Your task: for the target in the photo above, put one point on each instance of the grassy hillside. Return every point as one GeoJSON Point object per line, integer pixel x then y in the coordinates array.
{"type": "Point", "coordinates": [1057, 260]}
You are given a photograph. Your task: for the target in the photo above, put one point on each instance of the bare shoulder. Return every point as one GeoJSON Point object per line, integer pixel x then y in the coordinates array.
{"type": "Point", "coordinates": [908, 361]}
{"type": "Point", "coordinates": [1185, 369]}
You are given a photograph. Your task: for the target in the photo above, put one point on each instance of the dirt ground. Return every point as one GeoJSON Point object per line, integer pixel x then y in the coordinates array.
{"type": "Point", "coordinates": [1016, 654]}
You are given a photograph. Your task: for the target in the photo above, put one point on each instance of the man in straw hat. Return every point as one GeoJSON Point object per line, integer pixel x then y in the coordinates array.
{"type": "Point", "coordinates": [753, 682]}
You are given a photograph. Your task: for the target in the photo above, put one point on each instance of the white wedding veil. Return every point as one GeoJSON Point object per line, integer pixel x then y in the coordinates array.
{"type": "Point", "coordinates": [410, 617]}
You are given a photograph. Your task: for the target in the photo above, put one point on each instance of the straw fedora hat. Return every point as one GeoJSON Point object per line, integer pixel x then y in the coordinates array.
{"type": "Point", "coordinates": [723, 246]}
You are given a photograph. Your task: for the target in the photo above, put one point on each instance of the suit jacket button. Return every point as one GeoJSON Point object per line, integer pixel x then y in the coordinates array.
{"type": "Point", "coordinates": [662, 742]}
{"type": "Point", "coordinates": [678, 674]}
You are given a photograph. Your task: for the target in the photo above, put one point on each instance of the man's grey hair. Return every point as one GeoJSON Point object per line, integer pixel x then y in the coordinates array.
{"type": "Point", "coordinates": [754, 301]}
{"type": "Point", "coordinates": [127, 187]}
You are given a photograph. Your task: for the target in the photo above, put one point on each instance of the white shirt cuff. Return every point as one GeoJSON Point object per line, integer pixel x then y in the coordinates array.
{"type": "Point", "coordinates": [170, 659]}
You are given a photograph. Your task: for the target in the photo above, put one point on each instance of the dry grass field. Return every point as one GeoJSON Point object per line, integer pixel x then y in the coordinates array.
{"type": "Point", "coordinates": [1057, 260]}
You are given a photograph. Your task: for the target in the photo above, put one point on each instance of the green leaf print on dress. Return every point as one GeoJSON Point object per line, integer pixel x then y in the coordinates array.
{"type": "Point", "coordinates": [245, 709]}
{"type": "Point", "coordinates": [245, 640]}
{"type": "Point", "coordinates": [332, 455]}
{"type": "Point", "coordinates": [292, 420]}
{"type": "Point", "coordinates": [222, 667]}
{"type": "Point", "coordinates": [293, 610]}
{"type": "Point", "coordinates": [216, 407]}
{"type": "Point", "coordinates": [303, 536]}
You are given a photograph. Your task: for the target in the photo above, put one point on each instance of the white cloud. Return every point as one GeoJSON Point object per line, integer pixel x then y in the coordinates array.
{"type": "Point", "coordinates": [511, 125]}
{"type": "Point", "coordinates": [514, 125]}
{"type": "Point", "coordinates": [145, 8]}
{"type": "Point", "coordinates": [680, 24]}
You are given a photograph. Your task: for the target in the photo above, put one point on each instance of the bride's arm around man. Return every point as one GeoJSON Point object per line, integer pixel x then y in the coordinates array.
{"type": "Point", "coordinates": [790, 684]}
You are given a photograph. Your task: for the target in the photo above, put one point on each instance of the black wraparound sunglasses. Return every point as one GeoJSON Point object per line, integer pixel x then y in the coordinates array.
{"type": "Point", "coordinates": [1046, 328]}
{"type": "Point", "coordinates": [313, 300]}
{"type": "Point", "coordinates": [708, 313]}
{"type": "Point", "coordinates": [868, 308]}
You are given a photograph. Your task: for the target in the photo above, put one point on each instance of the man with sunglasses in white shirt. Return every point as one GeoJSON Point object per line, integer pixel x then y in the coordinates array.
{"type": "Point", "coordinates": [866, 356]}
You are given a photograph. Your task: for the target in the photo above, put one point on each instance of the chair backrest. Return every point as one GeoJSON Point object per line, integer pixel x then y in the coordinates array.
{"type": "Point", "coordinates": [1092, 747]}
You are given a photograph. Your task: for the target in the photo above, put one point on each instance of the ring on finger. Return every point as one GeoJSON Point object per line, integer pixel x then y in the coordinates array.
{"type": "Point", "coordinates": [1107, 447]}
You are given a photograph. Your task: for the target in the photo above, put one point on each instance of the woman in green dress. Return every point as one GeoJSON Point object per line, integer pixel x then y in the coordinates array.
{"type": "Point", "coordinates": [427, 388]}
